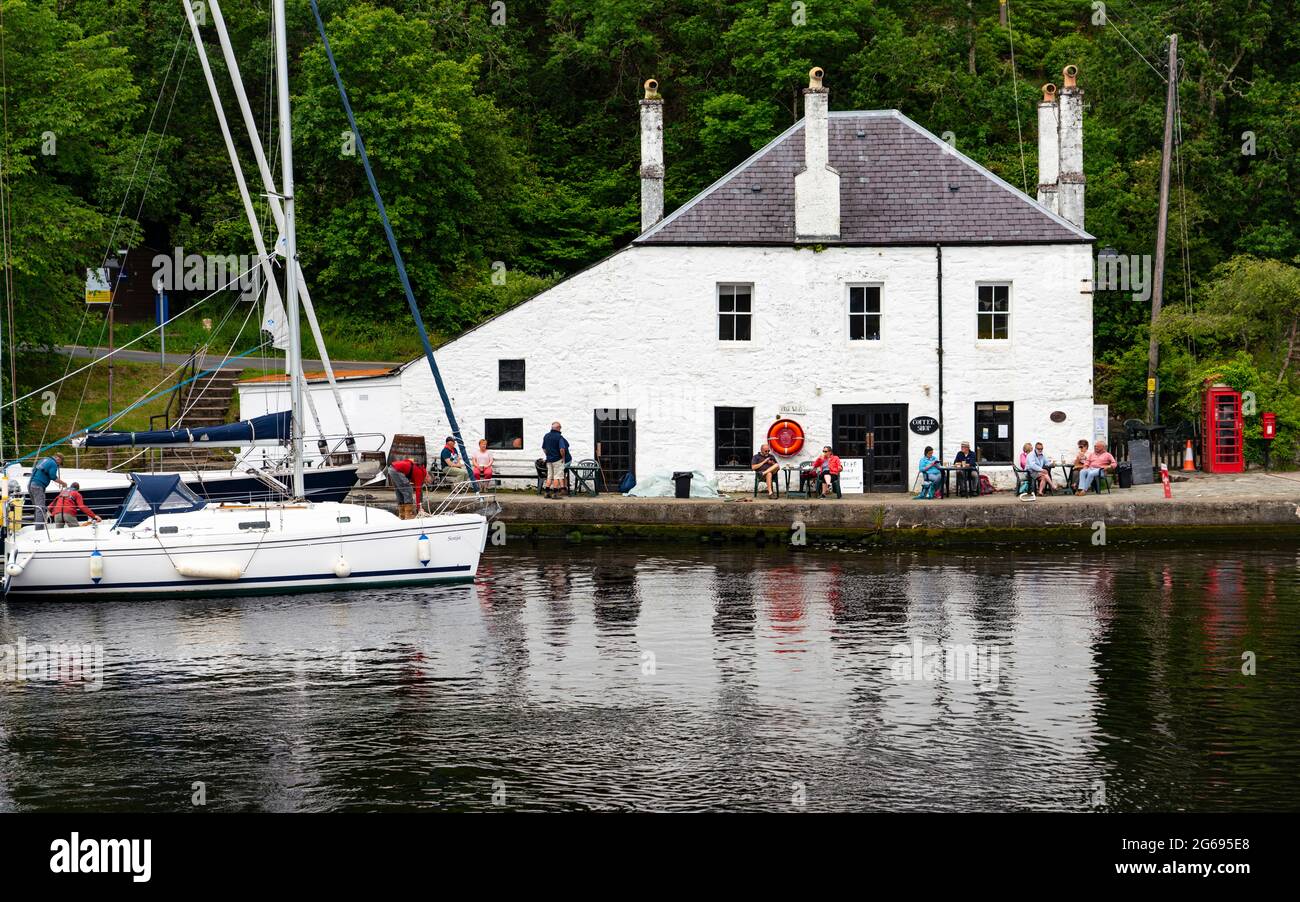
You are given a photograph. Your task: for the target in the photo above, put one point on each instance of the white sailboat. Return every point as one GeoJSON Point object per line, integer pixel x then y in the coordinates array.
{"type": "Point", "coordinates": [167, 541]}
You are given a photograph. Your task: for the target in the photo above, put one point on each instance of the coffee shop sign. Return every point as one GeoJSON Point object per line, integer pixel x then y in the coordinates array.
{"type": "Point", "coordinates": [793, 410]}
{"type": "Point", "coordinates": [924, 425]}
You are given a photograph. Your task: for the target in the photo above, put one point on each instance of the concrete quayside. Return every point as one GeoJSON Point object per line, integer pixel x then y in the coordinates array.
{"type": "Point", "coordinates": [1203, 506]}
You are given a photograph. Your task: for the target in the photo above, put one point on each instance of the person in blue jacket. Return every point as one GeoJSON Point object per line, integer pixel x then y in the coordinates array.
{"type": "Point", "coordinates": [43, 474]}
{"type": "Point", "coordinates": [556, 449]}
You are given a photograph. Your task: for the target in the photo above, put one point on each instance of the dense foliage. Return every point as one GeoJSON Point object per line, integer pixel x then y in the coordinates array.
{"type": "Point", "coordinates": [507, 132]}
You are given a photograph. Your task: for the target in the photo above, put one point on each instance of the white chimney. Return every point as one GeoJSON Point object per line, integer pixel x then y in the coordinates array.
{"type": "Point", "coordinates": [1070, 186]}
{"type": "Point", "coordinates": [652, 156]}
{"type": "Point", "coordinates": [1049, 149]}
{"type": "Point", "coordinates": [817, 186]}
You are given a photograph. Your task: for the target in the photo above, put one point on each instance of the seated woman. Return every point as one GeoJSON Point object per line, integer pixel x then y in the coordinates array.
{"type": "Point", "coordinates": [1080, 460]}
{"type": "Point", "coordinates": [931, 475]}
{"type": "Point", "coordinates": [766, 466]}
{"type": "Point", "coordinates": [482, 461]}
{"type": "Point", "coordinates": [828, 468]}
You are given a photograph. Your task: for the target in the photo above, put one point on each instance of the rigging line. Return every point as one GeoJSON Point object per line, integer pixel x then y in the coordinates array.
{"type": "Point", "coordinates": [392, 240]}
{"type": "Point", "coordinates": [4, 222]}
{"type": "Point", "coordinates": [141, 336]}
{"type": "Point", "coordinates": [225, 357]}
{"type": "Point", "coordinates": [142, 401]}
{"type": "Point", "coordinates": [144, 142]}
{"type": "Point", "coordinates": [1015, 93]}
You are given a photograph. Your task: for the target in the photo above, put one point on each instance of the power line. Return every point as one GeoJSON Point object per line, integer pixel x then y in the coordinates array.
{"type": "Point", "coordinates": [1015, 93]}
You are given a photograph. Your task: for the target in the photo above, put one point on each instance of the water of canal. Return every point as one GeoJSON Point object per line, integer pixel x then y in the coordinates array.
{"type": "Point", "coordinates": [670, 677]}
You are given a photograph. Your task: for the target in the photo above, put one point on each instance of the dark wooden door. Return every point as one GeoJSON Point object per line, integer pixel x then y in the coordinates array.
{"type": "Point", "coordinates": [876, 434]}
{"type": "Point", "coordinates": [615, 432]}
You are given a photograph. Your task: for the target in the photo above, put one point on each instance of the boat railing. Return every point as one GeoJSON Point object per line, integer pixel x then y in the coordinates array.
{"type": "Point", "coordinates": [465, 498]}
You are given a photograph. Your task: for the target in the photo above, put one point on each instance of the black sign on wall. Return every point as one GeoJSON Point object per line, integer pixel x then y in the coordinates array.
{"type": "Point", "coordinates": [923, 425]}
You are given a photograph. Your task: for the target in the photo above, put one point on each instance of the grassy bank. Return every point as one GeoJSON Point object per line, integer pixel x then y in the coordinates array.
{"type": "Point", "coordinates": [345, 338]}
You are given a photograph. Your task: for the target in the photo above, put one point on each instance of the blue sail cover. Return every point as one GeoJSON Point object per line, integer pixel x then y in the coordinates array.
{"type": "Point", "coordinates": [156, 495]}
{"type": "Point", "coordinates": [270, 427]}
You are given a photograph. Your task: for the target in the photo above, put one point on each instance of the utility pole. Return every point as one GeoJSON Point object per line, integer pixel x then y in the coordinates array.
{"type": "Point", "coordinates": [1162, 228]}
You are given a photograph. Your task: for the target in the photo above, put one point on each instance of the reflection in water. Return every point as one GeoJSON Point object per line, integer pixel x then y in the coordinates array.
{"type": "Point", "coordinates": [670, 678]}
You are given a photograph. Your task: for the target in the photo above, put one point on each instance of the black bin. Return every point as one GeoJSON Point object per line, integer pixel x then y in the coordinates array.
{"type": "Point", "coordinates": [683, 481]}
{"type": "Point", "coordinates": [1124, 473]}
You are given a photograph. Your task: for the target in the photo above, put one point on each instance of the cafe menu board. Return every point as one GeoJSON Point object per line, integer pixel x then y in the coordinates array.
{"type": "Point", "coordinates": [851, 477]}
{"type": "Point", "coordinates": [1139, 455]}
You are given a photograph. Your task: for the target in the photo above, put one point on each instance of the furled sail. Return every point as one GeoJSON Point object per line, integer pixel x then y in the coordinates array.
{"type": "Point", "coordinates": [271, 428]}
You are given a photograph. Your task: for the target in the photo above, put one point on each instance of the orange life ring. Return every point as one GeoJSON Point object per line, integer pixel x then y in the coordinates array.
{"type": "Point", "coordinates": [785, 437]}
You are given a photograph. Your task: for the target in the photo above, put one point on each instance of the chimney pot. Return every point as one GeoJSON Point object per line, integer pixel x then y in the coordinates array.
{"type": "Point", "coordinates": [1049, 93]}
{"type": "Point", "coordinates": [815, 78]}
{"type": "Point", "coordinates": [651, 89]}
{"type": "Point", "coordinates": [1070, 73]}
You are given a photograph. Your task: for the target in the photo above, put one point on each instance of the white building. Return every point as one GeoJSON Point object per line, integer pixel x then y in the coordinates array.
{"type": "Point", "coordinates": [856, 275]}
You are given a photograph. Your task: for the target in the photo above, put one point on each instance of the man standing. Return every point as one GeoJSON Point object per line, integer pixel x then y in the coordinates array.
{"type": "Point", "coordinates": [555, 447]}
{"type": "Point", "coordinates": [65, 507]}
{"type": "Point", "coordinates": [453, 470]}
{"type": "Point", "coordinates": [46, 471]}
{"type": "Point", "coordinates": [1099, 461]}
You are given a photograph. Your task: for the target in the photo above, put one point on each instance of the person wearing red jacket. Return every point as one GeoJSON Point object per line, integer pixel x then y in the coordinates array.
{"type": "Point", "coordinates": [414, 476]}
{"type": "Point", "coordinates": [65, 507]}
{"type": "Point", "coordinates": [828, 468]}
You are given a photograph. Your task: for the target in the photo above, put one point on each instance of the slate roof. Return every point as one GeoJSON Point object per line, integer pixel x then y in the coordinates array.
{"type": "Point", "coordinates": [899, 184]}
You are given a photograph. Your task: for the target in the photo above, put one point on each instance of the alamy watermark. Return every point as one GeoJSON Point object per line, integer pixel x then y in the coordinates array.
{"type": "Point", "coordinates": [179, 271]}
{"type": "Point", "coordinates": [969, 663]}
{"type": "Point", "coordinates": [1119, 272]}
{"type": "Point", "coordinates": [56, 662]}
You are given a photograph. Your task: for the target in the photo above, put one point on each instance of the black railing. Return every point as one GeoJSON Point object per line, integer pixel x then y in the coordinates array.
{"type": "Point", "coordinates": [177, 398]}
{"type": "Point", "coordinates": [1168, 443]}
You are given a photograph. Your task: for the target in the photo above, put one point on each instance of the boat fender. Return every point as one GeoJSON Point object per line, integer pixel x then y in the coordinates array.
{"type": "Point", "coordinates": [341, 568]}
{"type": "Point", "coordinates": [17, 567]}
{"type": "Point", "coordinates": [210, 571]}
{"type": "Point", "coordinates": [96, 566]}
{"type": "Point", "coordinates": [425, 556]}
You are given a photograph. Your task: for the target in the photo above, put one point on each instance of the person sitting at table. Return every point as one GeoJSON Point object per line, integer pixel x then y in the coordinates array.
{"type": "Point", "coordinates": [931, 474]}
{"type": "Point", "coordinates": [767, 466]}
{"type": "Point", "coordinates": [1098, 462]}
{"type": "Point", "coordinates": [1024, 454]}
{"type": "Point", "coordinates": [965, 459]}
{"type": "Point", "coordinates": [1038, 470]}
{"type": "Point", "coordinates": [828, 468]}
{"type": "Point", "coordinates": [1080, 459]}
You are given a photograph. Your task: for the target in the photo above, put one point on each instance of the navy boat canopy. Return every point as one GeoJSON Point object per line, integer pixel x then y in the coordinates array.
{"type": "Point", "coordinates": [152, 494]}
{"type": "Point", "coordinates": [271, 427]}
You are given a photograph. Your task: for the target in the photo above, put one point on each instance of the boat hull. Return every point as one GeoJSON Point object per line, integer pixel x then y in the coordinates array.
{"type": "Point", "coordinates": [378, 550]}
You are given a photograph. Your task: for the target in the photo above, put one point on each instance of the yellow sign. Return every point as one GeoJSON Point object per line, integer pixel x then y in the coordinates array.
{"type": "Point", "coordinates": [97, 289]}
{"type": "Point", "coordinates": [1151, 386]}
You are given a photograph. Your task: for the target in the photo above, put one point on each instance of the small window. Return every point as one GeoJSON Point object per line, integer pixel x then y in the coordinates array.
{"type": "Point", "coordinates": [168, 530]}
{"type": "Point", "coordinates": [994, 311]}
{"type": "Point", "coordinates": [734, 313]}
{"type": "Point", "coordinates": [255, 524]}
{"type": "Point", "coordinates": [733, 437]}
{"type": "Point", "coordinates": [864, 313]}
{"type": "Point", "coordinates": [510, 375]}
{"type": "Point", "coordinates": [993, 431]}
{"type": "Point", "coordinates": [503, 434]}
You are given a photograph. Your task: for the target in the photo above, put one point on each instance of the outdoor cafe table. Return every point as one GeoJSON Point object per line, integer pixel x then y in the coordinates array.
{"type": "Point", "coordinates": [973, 483]}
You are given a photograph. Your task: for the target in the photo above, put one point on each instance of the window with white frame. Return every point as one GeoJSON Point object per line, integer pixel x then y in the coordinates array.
{"type": "Point", "coordinates": [734, 311]}
{"type": "Point", "coordinates": [864, 313]}
{"type": "Point", "coordinates": [994, 311]}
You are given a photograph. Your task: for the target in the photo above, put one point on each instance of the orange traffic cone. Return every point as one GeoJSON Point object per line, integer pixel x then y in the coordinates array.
{"type": "Point", "coordinates": [1188, 462]}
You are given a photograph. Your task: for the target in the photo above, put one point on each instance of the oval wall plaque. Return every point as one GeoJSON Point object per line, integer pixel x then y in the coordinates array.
{"type": "Point", "coordinates": [1058, 416]}
{"type": "Point", "coordinates": [924, 425]}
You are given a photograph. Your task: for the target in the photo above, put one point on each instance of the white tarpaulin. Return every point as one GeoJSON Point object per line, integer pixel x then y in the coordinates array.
{"type": "Point", "coordinates": [661, 485]}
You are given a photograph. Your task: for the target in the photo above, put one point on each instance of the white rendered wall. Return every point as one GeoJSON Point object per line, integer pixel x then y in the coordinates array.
{"type": "Point", "coordinates": [373, 405]}
{"type": "Point", "coordinates": [639, 330]}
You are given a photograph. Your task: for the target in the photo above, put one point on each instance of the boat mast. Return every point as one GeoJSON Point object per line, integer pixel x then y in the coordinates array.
{"type": "Point", "coordinates": [290, 247]}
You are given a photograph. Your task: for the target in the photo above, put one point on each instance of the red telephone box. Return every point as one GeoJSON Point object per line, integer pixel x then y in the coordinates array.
{"type": "Point", "coordinates": [1222, 445]}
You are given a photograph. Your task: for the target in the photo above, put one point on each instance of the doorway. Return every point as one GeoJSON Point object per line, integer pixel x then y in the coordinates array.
{"type": "Point", "coordinates": [877, 435]}
{"type": "Point", "coordinates": [615, 432]}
